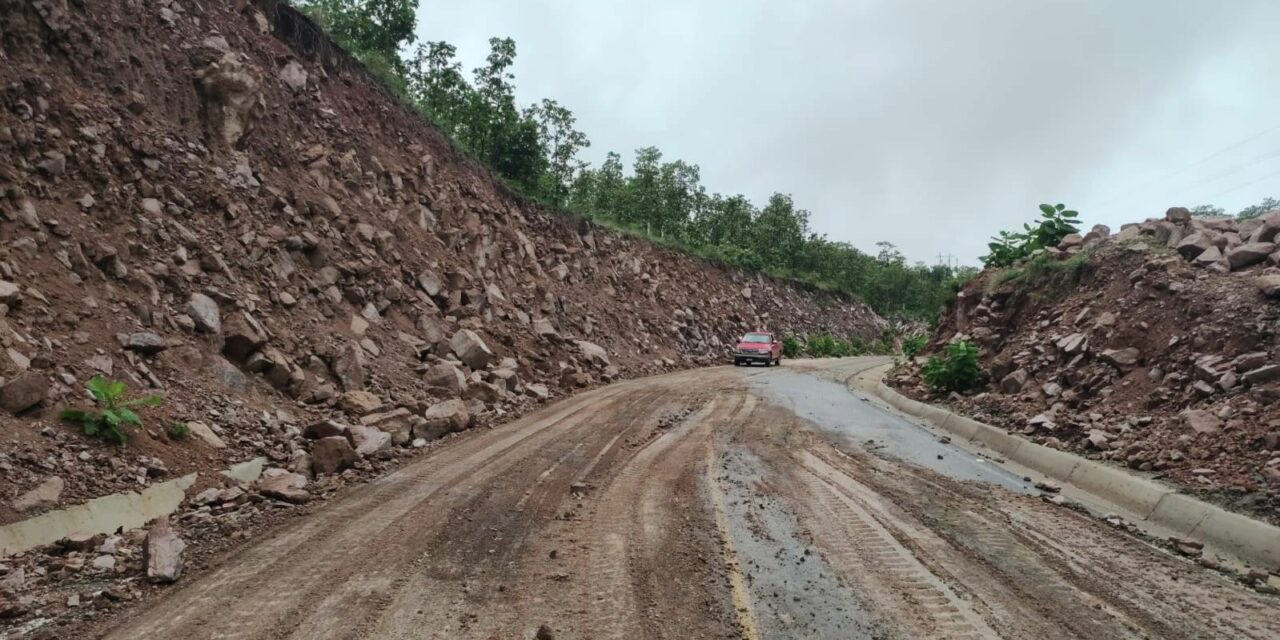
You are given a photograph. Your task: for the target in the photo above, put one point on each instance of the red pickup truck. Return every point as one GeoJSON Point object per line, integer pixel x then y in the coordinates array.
{"type": "Point", "coordinates": [758, 346]}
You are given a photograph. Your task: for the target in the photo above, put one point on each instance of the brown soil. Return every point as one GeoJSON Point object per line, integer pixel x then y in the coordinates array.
{"type": "Point", "coordinates": [121, 196]}
{"type": "Point", "coordinates": [586, 518]}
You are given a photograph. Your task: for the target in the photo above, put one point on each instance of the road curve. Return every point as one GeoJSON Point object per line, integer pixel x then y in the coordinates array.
{"type": "Point", "coordinates": [720, 503]}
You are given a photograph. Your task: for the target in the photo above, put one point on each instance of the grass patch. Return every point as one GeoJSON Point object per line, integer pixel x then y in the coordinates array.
{"type": "Point", "coordinates": [1044, 273]}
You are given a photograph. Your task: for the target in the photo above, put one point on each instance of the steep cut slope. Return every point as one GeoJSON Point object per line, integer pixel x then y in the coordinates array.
{"type": "Point", "coordinates": [210, 201]}
{"type": "Point", "coordinates": [1154, 347]}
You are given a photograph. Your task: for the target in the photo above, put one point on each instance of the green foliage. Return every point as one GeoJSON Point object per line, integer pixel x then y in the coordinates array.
{"type": "Point", "coordinates": [178, 431]}
{"type": "Point", "coordinates": [114, 410]}
{"type": "Point", "coordinates": [371, 30]}
{"type": "Point", "coordinates": [826, 346]}
{"type": "Point", "coordinates": [1008, 247]}
{"type": "Point", "coordinates": [913, 345]}
{"type": "Point", "coordinates": [791, 346]}
{"type": "Point", "coordinates": [664, 201]}
{"type": "Point", "coordinates": [535, 151]}
{"type": "Point", "coordinates": [1253, 211]}
{"type": "Point", "coordinates": [1044, 274]}
{"type": "Point", "coordinates": [955, 370]}
{"type": "Point", "coordinates": [1208, 211]}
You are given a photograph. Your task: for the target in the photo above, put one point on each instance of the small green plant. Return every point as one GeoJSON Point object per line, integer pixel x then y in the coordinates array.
{"type": "Point", "coordinates": [913, 345]}
{"type": "Point", "coordinates": [955, 370]}
{"type": "Point", "coordinates": [790, 347]}
{"type": "Point", "coordinates": [1045, 274]}
{"type": "Point", "coordinates": [1057, 222]}
{"type": "Point", "coordinates": [178, 431]}
{"type": "Point", "coordinates": [114, 410]}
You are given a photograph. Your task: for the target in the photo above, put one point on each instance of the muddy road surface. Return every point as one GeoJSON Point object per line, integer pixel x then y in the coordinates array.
{"type": "Point", "coordinates": [721, 503]}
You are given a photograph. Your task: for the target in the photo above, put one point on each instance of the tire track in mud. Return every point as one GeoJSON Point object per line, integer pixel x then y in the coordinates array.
{"type": "Point", "coordinates": [864, 547]}
{"type": "Point", "coordinates": [1037, 570]}
{"type": "Point", "coordinates": [626, 534]}
{"type": "Point", "coordinates": [277, 584]}
{"type": "Point", "coordinates": [475, 552]}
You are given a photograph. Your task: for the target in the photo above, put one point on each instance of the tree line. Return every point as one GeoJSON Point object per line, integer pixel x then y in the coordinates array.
{"type": "Point", "coordinates": [1252, 211]}
{"type": "Point", "coordinates": [535, 149]}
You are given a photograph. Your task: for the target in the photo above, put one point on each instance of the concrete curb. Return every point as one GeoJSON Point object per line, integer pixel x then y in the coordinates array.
{"type": "Point", "coordinates": [107, 514]}
{"type": "Point", "coordinates": [1249, 540]}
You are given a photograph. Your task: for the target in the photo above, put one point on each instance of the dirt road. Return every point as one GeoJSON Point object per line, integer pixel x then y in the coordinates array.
{"type": "Point", "coordinates": [723, 503]}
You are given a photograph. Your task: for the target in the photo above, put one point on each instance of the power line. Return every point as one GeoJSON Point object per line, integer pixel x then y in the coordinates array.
{"type": "Point", "coordinates": [1229, 172]}
{"type": "Point", "coordinates": [1241, 186]}
{"type": "Point", "coordinates": [1193, 165]}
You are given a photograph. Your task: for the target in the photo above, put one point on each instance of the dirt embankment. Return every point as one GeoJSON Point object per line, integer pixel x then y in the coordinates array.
{"type": "Point", "coordinates": [211, 202]}
{"type": "Point", "coordinates": [1154, 347]}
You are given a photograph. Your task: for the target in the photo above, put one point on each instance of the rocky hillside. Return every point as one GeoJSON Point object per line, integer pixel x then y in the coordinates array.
{"type": "Point", "coordinates": [209, 201]}
{"type": "Point", "coordinates": [1154, 347]}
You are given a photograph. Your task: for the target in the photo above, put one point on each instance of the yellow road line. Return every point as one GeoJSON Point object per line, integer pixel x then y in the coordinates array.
{"type": "Point", "coordinates": [741, 599]}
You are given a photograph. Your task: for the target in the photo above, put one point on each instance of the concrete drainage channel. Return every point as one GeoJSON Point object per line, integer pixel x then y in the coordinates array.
{"type": "Point", "coordinates": [111, 513]}
{"type": "Point", "coordinates": [1251, 541]}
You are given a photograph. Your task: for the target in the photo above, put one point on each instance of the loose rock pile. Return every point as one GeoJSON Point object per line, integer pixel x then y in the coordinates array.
{"type": "Point", "coordinates": [1162, 357]}
{"type": "Point", "coordinates": [304, 269]}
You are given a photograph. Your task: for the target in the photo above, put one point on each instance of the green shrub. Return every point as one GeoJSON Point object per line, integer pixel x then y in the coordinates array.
{"type": "Point", "coordinates": [1044, 274]}
{"type": "Point", "coordinates": [913, 345]}
{"type": "Point", "coordinates": [1007, 248]}
{"type": "Point", "coordinates": [821, 346]}
{"type": "Point", "coordinates": [791, 347]}
{"type": "Point", "coordinates": [114, 410]}
{"type": "Point", "coordinates": [178, 431]}
{"type": "Point", "coordinates": [955, 370]}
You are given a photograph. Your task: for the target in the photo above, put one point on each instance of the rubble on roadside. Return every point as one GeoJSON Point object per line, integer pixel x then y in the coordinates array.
{"type": "Point", "coordinates": [1162, 357]}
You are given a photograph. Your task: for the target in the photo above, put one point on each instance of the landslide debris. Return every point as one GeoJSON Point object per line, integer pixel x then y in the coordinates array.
{"type": "Point", "coordinates": [212, 202]}
{"type": "Point", "coordinates": [1154, 347]}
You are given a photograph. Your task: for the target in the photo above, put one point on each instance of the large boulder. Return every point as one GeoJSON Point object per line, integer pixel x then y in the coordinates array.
{"type": "Point", "coordinates": [484, 391]}
{"type": "Point", "coordinates": [1267, 229]}
{"type": "Point", "coordinates": [348, 367]}
{"type": "Point", "coordinates": [162, 554]}
{"type": "Point", "coordinates": [44, 495]}
{"type": "Point", "coordinates": [368, 440]}
{"type": "Point", "coordinates": [1269, 285]}
{"type": "Point", "coordinates": [398, 423]}
{"type": "Point", "coordinates": [1178, 215]}
{"type": "Point", "coordinates": [232, 93]}
{"type": "Point", "coordinates": [204, 312]}
{"type": "Point", "coordinates": [242, 335]}
{"type": "Point", "coordinates": [1014, 382]}
{"type": "Point", "coordinates": [1201, 421]}
{"type": "Point", "coordinates": [23, 392]}
{"type": "Point", "coordinates": [442, 418]}
{"type": "Point", "coordinates": [332, 454]}
{"type": "Point", "coordinates": [545, 330]}
{"type": "Point", "coordinates": [1121, 358]}
{"type": "Point", "coordinates": [470, 349]}
{"type": "Point", "coordinates": [284, 485]}
{"type": "Point", "coordinates": [144, 342]}
{"type": "Point", "coordinates": [1249, 254]}
{"type": "Point", "coordinates": [1195, 244]}
{"type": "Point", "coordinates": [446, 378]}
{"type": "Point", "coordinates": [359, 402]}
{"type": "Point", "coordinates": [205, 434]}
{"type": "Point", "coordinates": [324, 429]}
{"type": "Point", "coordinates": [10, 293]}
{"type": "Point", "coordinates": [1209, 257]}
{"type": "Point", "coordinates": [1265, 373]}
{"type": "Point", "coordinates": [594, 353]}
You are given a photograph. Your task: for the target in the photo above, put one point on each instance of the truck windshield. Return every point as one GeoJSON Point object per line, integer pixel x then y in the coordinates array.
{"type": "Point", "coordinates": [756, 337]}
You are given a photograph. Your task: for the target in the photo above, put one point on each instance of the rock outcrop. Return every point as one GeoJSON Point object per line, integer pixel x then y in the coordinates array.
{"type": "Point", "coordinates": [1157, 352]}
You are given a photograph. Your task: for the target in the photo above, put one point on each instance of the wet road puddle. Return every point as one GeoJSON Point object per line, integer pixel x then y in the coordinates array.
{"type": "Point", "coordinates": [793, 592]}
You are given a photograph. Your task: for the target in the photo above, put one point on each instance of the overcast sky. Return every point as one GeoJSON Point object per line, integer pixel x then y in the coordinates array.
{"type": "Point", "coordinates": [931, 124]}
